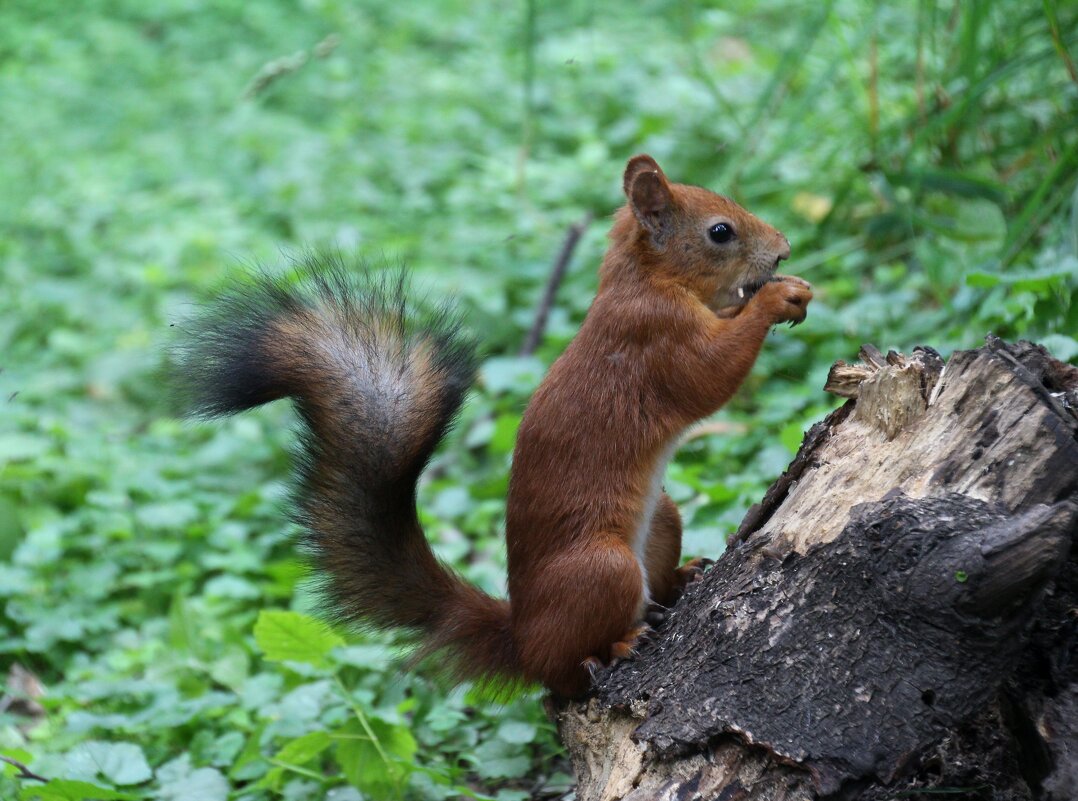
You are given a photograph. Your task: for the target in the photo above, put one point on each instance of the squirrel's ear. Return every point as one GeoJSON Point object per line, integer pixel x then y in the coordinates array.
{"type": "Point", "coordinates": [637, 165]}
{"type": "Point", "coordinates": [648, 193]}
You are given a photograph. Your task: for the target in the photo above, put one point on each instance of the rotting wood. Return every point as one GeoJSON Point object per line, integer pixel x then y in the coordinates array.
{"type": "Point", "coordinates": [898, 614]}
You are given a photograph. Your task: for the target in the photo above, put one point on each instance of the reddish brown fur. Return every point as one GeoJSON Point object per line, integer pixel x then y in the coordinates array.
{"type": "Point", "coordinates": [651, 358]}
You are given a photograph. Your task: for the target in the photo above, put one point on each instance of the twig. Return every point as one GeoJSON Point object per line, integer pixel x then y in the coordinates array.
{"type": "Point", "coordinates": [24, 772]}
{"type": "Point", "coordinates": [274, 70]}
{"type": "Point", "coordinates": [557, 273]}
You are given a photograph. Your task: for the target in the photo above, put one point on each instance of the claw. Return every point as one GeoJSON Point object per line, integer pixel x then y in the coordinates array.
{"type": "Point", "coordinates": [592, 665]}
{"type": "Point", "coordinates": [648, 635]}
{"type": "Point", "coordinates": [620, 651]}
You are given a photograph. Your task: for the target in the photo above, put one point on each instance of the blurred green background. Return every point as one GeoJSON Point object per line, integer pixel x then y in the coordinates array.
{"type": "Point", "coordinates": [921, 157]}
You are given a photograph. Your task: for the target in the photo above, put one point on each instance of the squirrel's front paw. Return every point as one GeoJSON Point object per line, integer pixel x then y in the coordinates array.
{"type": "Point", "coordinates": [786, 298]}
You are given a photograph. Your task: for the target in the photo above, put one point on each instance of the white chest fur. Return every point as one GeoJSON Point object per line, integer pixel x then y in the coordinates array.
{"type": "Point", "coordinates": [647, 511]}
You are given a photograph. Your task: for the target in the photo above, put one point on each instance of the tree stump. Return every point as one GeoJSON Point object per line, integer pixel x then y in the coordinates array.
{"type": "Point", "coordinates": [897, 618]}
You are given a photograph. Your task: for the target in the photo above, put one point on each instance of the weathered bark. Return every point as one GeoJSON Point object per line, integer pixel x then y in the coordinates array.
{"type": "Point", "coordinates": [899, 614]}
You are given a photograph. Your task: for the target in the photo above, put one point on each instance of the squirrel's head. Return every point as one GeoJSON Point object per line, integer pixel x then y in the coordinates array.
{"type": "Point", "coordinates": [696, 238]}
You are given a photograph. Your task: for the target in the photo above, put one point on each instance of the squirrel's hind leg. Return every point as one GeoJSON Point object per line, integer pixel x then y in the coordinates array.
{"type": "Point", "coordinates": [583, 604]}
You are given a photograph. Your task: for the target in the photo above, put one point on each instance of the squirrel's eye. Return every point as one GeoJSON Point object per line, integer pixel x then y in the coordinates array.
{"type": "Point", "coordinates": [721, 232]}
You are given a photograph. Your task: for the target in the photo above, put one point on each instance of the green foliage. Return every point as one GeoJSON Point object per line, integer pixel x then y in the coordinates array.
{"type": "Point", "coordinates": [921, 157]}
{"type": "Point", "coordinates": [69, 790]}
{"type": "Point", "coordinates": [291, 636]}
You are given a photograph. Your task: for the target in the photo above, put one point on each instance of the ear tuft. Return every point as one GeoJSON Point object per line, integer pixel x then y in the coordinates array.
{"type": "Point", "coordinates": [637, 165]}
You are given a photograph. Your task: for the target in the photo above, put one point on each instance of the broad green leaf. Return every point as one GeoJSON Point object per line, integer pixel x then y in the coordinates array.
{"type": "Point", "coordinates": [271, 780]}
{"type": "Point", "coordinates": [505, 433]}
{"type": "Point", "coordinates": [379, 771]}
{"type": "Point", "coordinates": [791, 436]}
{"type": "Point", "coordinates": [1063, 347]}
{"type": "Point", "coordinates": [512, 373]}
{"type": "Point", "coordinates": [70, 790]}
{"type": "Point", "coordinates": [234, 587]}
{"type": "Point", "coordinates": [167, 515]}
{"type": "Point", "coordinates": [249, 763]}
{"type": "Point", "coordinates": [120, 763]}
{"type": "Point", "coordinates": [368, 656]}
{"type": "Point", "coordinates": [516, 731]}
{"type": "Point", "coordinates": [504, 767]}
{"type": "Point", "coordinates": [513, 795]}
{"type": "Point", "coordinates": [344, 794]}
{"type": "Point", "coordinates": [10, 530]}
{"type": "Point", "coordinates": [219, 752]}
{"type": "Point", "coordinates": [294, 637]}
{"type": "Point", "coordinates": [205, 784]}
{"type": "Point", "coordinates": [499, 759]}
{"type": "Point", "coordinates": [982, 279]}
{"type": "Point", "coordinates": [304, 749]}
{"type": "Point", "coordinates": [445, 718]}
{"type": "Point", "coordinates": [20, 447]}
{"type": "Point", "coordinates": [1032, 279]}
{"type": "Point", "coordinates": [17, 754]}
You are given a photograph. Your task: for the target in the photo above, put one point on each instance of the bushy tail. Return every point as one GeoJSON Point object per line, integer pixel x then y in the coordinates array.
{"type": "Point", "coordinates": [377, 389]}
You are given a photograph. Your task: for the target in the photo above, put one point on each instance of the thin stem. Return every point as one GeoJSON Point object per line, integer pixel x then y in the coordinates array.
{"type": "Point", "coordinates": [310, 774]}
{"type": "Point", "coordinates": [24, 772]}
{"type": "Point", "coordinates": [362, 720]}
{"type": "Point", "coordinates": [1057, 39]}
{"type": "Point", "coordinates": [557, 274]}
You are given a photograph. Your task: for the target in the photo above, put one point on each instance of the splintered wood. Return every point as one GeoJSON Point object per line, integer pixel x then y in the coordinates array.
{"type": "Point", "coordinates": [918, 554]}
{"type": "Point", "coordinates": [893, 391]}
{"type": "Point", "coordinates": [983, 438]}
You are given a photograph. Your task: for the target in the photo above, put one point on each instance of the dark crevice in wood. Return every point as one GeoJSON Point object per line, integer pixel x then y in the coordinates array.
{"type": "Point", "coordinates": [898, 619]}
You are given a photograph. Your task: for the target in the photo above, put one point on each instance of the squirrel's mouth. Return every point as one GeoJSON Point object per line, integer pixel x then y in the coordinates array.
{"type": "Point", "coordinates": [745, 292]}
{"type": "Point", "coordinates": [731, 301]}
{"type": "Point", "coordinates": [742, 293]}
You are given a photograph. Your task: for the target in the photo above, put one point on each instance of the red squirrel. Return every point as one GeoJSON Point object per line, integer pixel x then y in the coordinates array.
{"type": "Point", "coordinates": [687, 293]}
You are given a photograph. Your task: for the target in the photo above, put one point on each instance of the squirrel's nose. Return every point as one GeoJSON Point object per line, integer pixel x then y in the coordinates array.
{"type": "Point", "coordinates": [783, 251]}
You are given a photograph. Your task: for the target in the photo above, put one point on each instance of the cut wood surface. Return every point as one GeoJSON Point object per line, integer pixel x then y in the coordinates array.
{"type": "Point", "coordinates": [898, 617]}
